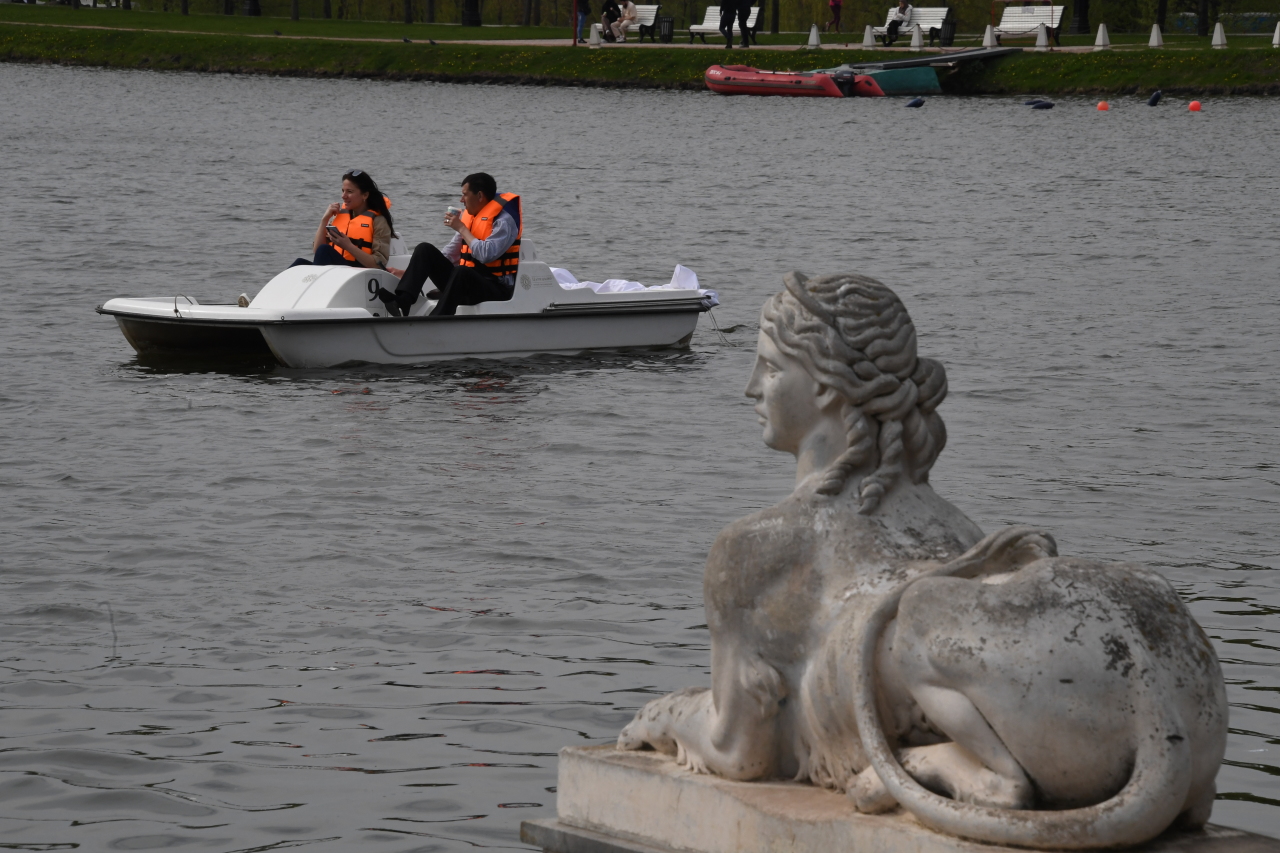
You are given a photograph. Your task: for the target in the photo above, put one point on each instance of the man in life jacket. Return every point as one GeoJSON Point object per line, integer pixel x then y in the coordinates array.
{"type": "Point", "coordinates": [477, 265]}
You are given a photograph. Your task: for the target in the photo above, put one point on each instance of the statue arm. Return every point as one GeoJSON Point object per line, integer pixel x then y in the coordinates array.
{"type": "Point", "coordinates": [730, 730]}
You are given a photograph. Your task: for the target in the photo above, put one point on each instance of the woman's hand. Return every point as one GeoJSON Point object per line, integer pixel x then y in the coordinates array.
{"type": "Point", "coordinates": [330, 212]}
{"type": "Point", "coordinates": [343, 242]}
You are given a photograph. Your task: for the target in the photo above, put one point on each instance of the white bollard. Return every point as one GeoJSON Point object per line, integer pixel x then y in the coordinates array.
{"type": "Point", "coordinates": [1103, 41]}
{"type": "Point", "coordinates": [869, 38]}
{"type": "Point", "coordinates": [1219, 36]}
{"type": "Point", "coordinates": [814, 39]}
{"type": "Point", "coordinates": [1042, 38]}
{"type": "Point", "coordinates": [917, 38]}
{"type": "Point", "coordinates": [1275, 39]}
{"type": "Point", "coordinates": [989, 37]}
{"type": "Point", "coordinates": [594, 39]}
{"type": "Point", "coordinates": [1157, 39]}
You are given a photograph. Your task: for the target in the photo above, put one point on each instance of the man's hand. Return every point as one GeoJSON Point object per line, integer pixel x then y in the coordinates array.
{"type": "Point", "coordinates": [454, 221]}
{"type": "Point", "coordinates": [398, 273]}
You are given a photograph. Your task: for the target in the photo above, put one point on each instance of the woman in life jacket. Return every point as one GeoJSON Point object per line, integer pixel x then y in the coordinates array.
{"type": "Point", "coordinates": [357, 232]}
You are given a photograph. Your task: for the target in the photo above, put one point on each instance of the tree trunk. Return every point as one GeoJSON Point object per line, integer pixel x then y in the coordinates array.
{"type": "Point", "coordinates": [408, 11]}
{"type": "Point", "coordinates": [431, 11]}
{"type": "Point", "coordinates": [773, 16]}
{"type": "Point", "coordinates": [1202, 19]}
{"type": "Point", "coordinates": [1080, 18]}
{"type": "Point", "coordinates": [185, 9]}
{"type": "Point", "coordinates": [528, 12]}
{"type": "Point", "coordinates": [471, 13]}
{"type": "Point", "coordinates": [537, 13]}
{"type": "Point", "coordinates": [228, 7]}
{"type": "Point", "coordinates": [127, 5]}
{"type": "Point", "coordinates": [294, 11]}
{"type": "Point", "coordinates": [1162, 12]}
{"type": "Point", "coordinates": [327, 11]}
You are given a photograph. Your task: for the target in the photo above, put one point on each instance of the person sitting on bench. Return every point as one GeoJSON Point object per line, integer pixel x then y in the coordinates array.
{"type": "Point", "coordinates": [486, 250]}
{"type": "Point", "coordinates": [901, 18]}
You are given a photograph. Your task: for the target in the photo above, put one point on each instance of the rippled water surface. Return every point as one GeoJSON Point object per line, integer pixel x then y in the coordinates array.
{"type": "Point", "coordinates": [362, 608]}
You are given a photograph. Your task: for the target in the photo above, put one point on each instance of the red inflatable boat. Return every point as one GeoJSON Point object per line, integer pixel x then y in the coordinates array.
{"type": "Point", "coordinates": [744, 80]}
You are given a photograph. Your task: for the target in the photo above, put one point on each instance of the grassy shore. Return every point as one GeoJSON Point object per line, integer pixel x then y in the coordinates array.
{"type": "Point", "coordinates": [1191, 71]}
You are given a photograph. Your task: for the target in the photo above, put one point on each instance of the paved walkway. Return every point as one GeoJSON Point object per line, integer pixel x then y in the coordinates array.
{"type": "Point", "coordinates": [564, 42]}
{"type": "Point", "coordinates": [561, 42]}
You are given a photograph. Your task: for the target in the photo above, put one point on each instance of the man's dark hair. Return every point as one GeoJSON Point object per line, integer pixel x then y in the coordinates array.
{"type": "Point", "coordinates": [483, 183]}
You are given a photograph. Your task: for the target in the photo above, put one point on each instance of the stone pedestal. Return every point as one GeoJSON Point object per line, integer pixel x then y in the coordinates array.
{"type": "Point", "coordinates": [609, 801]}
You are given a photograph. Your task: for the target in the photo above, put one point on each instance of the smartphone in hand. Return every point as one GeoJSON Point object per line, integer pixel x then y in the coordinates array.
{"type": "Point", "coordinates": [333, 231]}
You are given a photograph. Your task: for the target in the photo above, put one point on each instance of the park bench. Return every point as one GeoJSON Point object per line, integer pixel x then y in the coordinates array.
{"type": "Point", "coordinates": [929, 20]}
{"type": "Point", "coordinates": [646, 18]}
{"type": "Point", "coordinates": [711, 25]}
{"type": "Point", "coordinates": [1022, 21]}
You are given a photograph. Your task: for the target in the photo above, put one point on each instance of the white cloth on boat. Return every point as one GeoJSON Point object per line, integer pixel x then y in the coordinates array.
{"type": "Point", "coordinates": [682, 279]}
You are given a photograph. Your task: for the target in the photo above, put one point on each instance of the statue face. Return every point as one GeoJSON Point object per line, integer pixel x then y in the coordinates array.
{"type": "Point", "coordinates": [786, 397]}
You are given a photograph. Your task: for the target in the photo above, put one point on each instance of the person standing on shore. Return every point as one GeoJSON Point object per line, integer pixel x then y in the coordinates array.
{"type": "Point", "coordinates": [740, 9]}
{"type": "Point", "coordinates": [835, 16]}
{"type": "Point", "coordinates": [584, 12]}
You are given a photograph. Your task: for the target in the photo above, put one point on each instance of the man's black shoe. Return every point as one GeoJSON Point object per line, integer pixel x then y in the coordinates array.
{"type": "Point", "coordinates": [389, 300]}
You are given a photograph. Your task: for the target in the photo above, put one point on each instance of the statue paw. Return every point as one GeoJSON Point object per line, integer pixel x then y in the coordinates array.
{"type": "Point", "coordinates": [869, 794]}
{"type": "Point", "coordinates": [649, 728]}
{"type": "Point", "coordinates": [987, 788]}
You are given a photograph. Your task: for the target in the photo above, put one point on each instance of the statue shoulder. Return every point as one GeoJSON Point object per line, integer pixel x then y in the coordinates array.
{"type": "Point", "coordinates": [780, 528]}
{"type": "Point", "coordinates": [756, 548]}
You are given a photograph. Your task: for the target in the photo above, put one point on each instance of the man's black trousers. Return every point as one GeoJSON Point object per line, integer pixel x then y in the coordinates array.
{"type": "Point", "coordinates": [457, 285]}
{"type": "Point", "coordinates": [741, 9]}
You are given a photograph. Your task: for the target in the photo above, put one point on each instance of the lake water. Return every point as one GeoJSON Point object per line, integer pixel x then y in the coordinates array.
{"type": "Point", "coordinates": [259, 609]}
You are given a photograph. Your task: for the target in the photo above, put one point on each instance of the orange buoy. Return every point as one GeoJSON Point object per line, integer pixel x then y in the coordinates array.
{"type": "Point", "coordinates": [1194, 106]}
{"type": "Point", "coordinates": [1103, 106]}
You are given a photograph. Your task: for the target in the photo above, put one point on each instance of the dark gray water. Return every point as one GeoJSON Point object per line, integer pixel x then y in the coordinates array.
{"type": "Point", "coordinates": [259, 609]}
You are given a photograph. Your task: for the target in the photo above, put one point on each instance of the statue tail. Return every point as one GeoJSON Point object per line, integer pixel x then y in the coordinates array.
{"type": "Point", "coordinates": [1148, 803]}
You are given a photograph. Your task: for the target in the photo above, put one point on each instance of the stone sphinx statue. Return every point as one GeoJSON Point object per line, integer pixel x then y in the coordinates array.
{"type": "Point", "coordinates": [866, 637]}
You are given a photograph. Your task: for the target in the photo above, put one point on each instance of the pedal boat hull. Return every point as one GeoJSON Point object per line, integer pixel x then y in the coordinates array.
{"type": "Point", "coordinates": [286, 321]}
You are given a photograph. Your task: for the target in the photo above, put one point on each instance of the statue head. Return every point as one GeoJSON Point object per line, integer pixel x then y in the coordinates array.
{"type": "Point", "coordinates": [857, 344]}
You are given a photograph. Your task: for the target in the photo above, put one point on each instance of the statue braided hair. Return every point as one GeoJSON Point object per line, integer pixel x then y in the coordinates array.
{"type": "Point", "coordinates": [854, 335]}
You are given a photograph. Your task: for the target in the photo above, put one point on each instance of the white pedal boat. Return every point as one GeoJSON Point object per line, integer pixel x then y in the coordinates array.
{"type": "Point", "coordinates": [309, 316]}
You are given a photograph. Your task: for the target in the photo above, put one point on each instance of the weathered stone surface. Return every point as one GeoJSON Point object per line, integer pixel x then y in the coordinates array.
{"type": "Point", "coordinates": [611, 801]}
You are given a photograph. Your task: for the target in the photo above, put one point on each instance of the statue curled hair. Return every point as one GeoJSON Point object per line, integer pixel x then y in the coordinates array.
{"type": "Point", "coordinates": [854, 335]}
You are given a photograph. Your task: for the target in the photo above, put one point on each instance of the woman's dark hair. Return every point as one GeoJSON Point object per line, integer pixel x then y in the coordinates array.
{"type": "Point", "coordinates": [377, 201]}
{"type": "Point", "coordinates": [483, 183]}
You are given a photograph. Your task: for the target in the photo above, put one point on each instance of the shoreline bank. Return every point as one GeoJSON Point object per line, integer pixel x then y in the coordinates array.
{"type": "Point", "coordinates": [1236, 71]}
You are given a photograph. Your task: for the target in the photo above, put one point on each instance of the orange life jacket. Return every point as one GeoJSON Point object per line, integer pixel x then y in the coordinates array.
{"type": "Point", "coordinates": [481, 226]}
{"type": "Point", "coordinates": [359, 230]}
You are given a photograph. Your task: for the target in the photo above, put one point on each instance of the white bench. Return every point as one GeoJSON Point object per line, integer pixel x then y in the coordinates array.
{"type": "Point", "coordinates": [710, 25]}
{"type": "Point", "coordinates": [646, 17]}
{"type": "Point", "coordinates": [1020, 21]}
{"type": "Point", "coordinates": [929, 20]}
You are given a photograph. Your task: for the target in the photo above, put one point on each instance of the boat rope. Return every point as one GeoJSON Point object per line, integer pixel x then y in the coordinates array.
{"type": "Point", "coordinates": [712, 315]}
